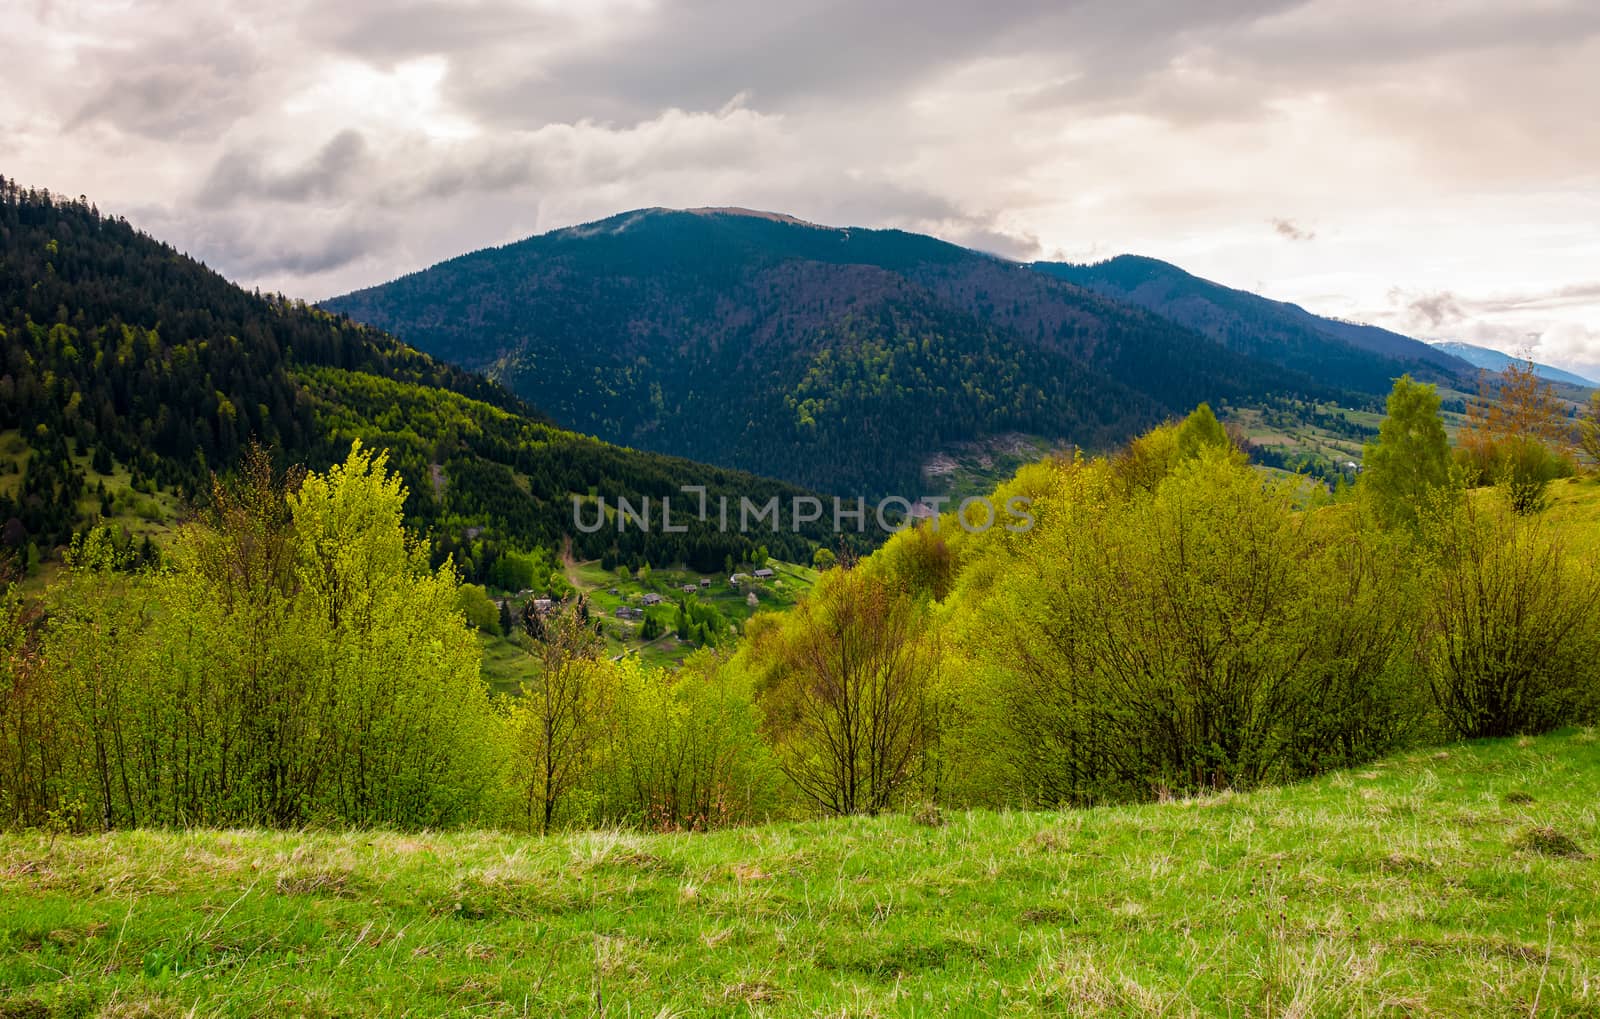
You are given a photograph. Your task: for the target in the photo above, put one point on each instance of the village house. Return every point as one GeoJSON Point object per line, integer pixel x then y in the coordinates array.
{"type": "Point", "coordinates": [763, 574]}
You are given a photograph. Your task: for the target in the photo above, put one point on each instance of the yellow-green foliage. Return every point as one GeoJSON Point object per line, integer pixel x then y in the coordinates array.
{"type": "Point", "coordinates": [473, 602]}
{"type": "Point", "coordinates": [1410, 462]}
{"type": "Point", "coordinates": [297, 661]}
{"type": "Point", "coordinates": [1202, 634]}
{"type": "Point", "coordinates": [1510, 632]}
{"type": "Point", "coordinates": [682, 751]}
{"type": "Point", "coordinates": [1175, 620]}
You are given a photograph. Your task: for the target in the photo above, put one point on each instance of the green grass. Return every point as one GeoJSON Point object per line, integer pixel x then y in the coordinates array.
{"type": "Point", "coordinates": [1447, 882]}
{"type": "Point", "coordinates": [506, 665]}
{"type": "Point", "coordinates": [1574, 512]}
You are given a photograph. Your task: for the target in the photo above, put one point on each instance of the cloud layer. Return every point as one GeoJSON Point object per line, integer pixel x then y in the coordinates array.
{"type": "Point", "coordinates": [1428, 167]}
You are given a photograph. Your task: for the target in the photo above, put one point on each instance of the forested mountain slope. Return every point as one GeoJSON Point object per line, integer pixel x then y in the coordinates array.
{"type": "Point", "coordinates": [1349, 355]}
{"type": "Point", "coordinates": [835, 358]}
{"type": "Point", "coordinates": [119, 356]}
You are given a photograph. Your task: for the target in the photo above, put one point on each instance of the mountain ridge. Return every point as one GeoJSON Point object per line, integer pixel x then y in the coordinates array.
{"type": "Point", "coordinates": [834, 357]}
{"type": "Point", "coordinates": [1493, 360]}
{"type": "Point", "coordinates": [1359, 356]}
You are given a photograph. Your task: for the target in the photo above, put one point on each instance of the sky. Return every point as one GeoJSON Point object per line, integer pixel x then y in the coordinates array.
{"type": "Point", "coordinates": [1429, 167]}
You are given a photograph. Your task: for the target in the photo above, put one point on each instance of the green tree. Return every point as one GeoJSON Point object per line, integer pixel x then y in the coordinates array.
{"type": "Point", "coordinates": [561, 714]}
{"type": "Point", "coordinates": [294, 659]}
{"type": "Point", "coordinates": [824, 559]}
{"type": "Point", "coordinates": [1205, 634]}
{"type": "Point", "coordinates": [1408, 467]}
{"type": "Point", "coordinates": [847, 706]}
{"type": "Point", "coordinates": [684, 751]}
{"type": "Point", "coordinates": [1201, 431]}
{"type": "Point", "coordinates": [479, 609]}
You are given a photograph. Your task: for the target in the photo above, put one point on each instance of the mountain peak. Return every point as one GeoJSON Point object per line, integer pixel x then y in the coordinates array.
{"type": "Point", "coordinates": [734, 210]}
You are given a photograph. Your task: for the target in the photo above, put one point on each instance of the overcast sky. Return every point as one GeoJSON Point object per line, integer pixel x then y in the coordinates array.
{"type": "Point", "coordinates": [1432, 167]}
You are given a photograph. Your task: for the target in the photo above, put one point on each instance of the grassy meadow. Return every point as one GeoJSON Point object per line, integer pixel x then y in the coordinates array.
{"type": "Point", "coordinates": [1452, 881]}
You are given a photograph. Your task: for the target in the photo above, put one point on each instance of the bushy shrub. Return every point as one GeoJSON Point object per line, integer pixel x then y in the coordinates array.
{"type": "Point", "coordinates": [682, 750]}
{"type": "Point", "coordinates": [1510, 626]}
{"type": "Point", "coordinates": [845, 692]}
{"type": "Point", "coordinates": [1202, 635]}
{"type": "Point", "coordinates": [473, 602]}
{"type": "Point", "coordinates": [297, 661]}
{"type": "Point", "coordinates": [1523, 468]}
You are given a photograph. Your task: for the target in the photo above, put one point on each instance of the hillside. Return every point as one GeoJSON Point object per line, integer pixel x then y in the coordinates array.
{"type": "Point", "coordinates": [1456, 881]}
{"type": "Point", "coordinates": [1349, 355]}
{"type": "Point", "coordinates": [1494, 360]}
{"type": "Point", "coordinates": [129, 372]}
{"type": "Point", "coordinates": [841, 359]}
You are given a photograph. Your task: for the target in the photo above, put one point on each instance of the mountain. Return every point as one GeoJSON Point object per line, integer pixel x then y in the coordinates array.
{"type": "Point", "coordinates": [1494, 360]}
{"type": "Point", "coordinates": [129, 372]}
{"type": "Point", "coordinates": [836, 358]}
{"type": "Point", "coordinates": [1362, 358]}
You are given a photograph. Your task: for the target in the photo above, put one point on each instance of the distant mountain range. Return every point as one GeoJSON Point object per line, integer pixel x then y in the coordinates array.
{"type": "Point", "coordinates": [1493, 360]}
{"type": "Point", "coordinates": [841, 358]}
{"type": "Point", "coordinates": [1359, 357]}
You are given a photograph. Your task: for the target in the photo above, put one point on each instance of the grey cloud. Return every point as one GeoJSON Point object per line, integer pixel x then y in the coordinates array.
{"type": "Point", "coordinates": [1289, 229]}
{"type": "Point", "coordinates": [1430, 311]}
{"type": "Point", "coordinates": [386, 34]}
{"type": "Point", "coordinates": [1124, 55]}
{"type": "Point", "coordinates": [1443, 308]}
{"type": "Point", "coordinates": [240, 176]}
{"type": "Point", "coordinates": [1316, 38]}
{"type": "Point", "coordinates": [253, 246]}
{"type": "Point", "coordinates": [1574, 295]}
{"type": "Point", "coordinates": [1020, 248]}
{"type": "Point", "coordinates": [183, 87]}
{"type": "Point", "coordinates": [496, 169]}
{"type": "Point", "coordinates": [1099, 126]}
{"type": "Point", "coordinates": [693, 55]}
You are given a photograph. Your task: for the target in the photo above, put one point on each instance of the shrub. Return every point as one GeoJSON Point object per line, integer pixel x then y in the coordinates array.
{"type": "Point", "coordinates": [846, 702]}
{"type": "Point", "coordinates": [1523, 469]}
{"type": "Point", "coordinates": [683, 750]}
{"type": "Point", "coordinates": [1408, 467]}
{"type": "Point", "coordinates": [297, 662]}
{"type": "Point", "coordinates": [1509, 644]}
{"type": "Point", "coordinates": [1200, 636]}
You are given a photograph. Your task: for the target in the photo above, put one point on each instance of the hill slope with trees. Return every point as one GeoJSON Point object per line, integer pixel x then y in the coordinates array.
{"type": "Point", "coordinates": [127, 366]}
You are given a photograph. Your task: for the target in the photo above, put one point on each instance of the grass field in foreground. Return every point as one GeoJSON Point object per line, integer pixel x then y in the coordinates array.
{"type": "Point", "coordinates": [1447, 882]}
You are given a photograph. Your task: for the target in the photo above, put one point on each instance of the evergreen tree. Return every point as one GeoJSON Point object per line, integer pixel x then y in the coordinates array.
{"type": "Point", "coordinates": [1409, 466]}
